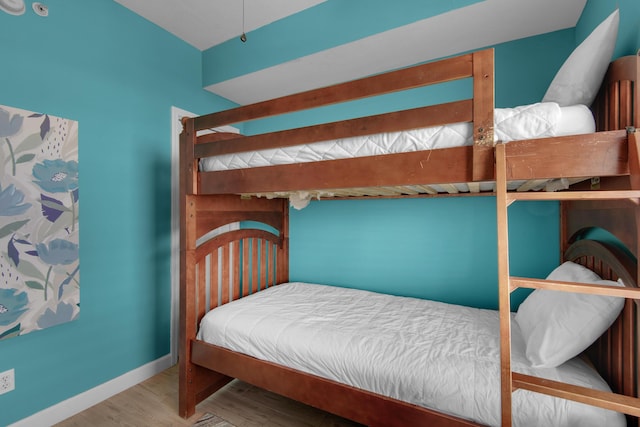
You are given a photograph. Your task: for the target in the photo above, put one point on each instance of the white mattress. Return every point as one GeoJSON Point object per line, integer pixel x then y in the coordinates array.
{"type": "Point", "coordinates": [432, 354]}
{"type": "Point", "coordinates": [525, 122]}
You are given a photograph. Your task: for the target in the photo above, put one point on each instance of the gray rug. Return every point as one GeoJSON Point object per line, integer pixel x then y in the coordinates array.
{"type": "Point", "coordinates": [211, 420]}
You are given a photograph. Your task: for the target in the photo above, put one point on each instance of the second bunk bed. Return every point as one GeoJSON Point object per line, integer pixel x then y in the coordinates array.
{"type": "Point", "coordinates": [242, 264]}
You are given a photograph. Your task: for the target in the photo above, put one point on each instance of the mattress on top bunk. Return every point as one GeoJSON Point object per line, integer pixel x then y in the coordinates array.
{"type": "Point", "coordinates": [441, 356]}
{"type": "Point", "coordinates": [540, 120]}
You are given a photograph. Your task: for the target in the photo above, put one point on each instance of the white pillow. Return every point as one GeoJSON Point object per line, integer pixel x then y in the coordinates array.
{"type": "Point", "coordinates": [580, 77]}
{"type": "Point", "coordinates": [557, 325]}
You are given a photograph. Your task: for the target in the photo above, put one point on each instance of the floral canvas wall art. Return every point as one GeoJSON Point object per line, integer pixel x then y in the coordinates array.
{"type": "Point", "coordinates": [39, 218]}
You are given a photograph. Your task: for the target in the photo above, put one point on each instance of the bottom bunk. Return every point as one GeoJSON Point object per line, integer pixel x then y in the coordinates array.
{"type": "Point", "coordinates": [249, 263]}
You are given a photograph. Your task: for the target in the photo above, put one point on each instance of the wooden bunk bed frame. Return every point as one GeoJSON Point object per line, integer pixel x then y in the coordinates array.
{"type": "Point", "coordinates": [247, 260]}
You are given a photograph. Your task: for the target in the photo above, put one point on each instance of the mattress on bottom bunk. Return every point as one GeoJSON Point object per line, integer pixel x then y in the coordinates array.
{"type": "Point", "coordinates": [540, 120]}
{"type": "Point", "coordinates": [440, 356]}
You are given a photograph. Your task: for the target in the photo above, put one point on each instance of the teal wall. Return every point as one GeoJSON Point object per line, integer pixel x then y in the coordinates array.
{"type": "Point", "coordinates": [118, 76]}
{"type": "Point", "coordinates": [437, 248]}
{"type": "Point", "coordinates": [595, 11]}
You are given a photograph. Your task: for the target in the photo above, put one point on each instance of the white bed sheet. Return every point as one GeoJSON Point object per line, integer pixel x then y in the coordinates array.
{"type": "Point", "coordinates": [432, 354]}
{"type": "Point", "coordinates": [538, 120]}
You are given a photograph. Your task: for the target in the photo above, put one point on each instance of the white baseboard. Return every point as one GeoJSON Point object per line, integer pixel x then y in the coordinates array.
{"type": "Point", "coordinates": [63, 410]}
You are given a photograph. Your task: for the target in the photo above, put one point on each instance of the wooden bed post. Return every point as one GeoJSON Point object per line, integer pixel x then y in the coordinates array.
{"type": "Point", "coordinates": [186, 402]}
{"type": "Point", "coordinates": [283, 252]}
{"type": "Point", "coordinates": [194, 381]}
{"type": "Point", "coordinates": [504, 287]}
{"type": "Point", "coordinates": [187, 308]}
{"type": "Point", "coordinates": [483, 124]}
{"type": "Point", "coordinates": [634, 158]}
{"type": "Point", "coordinates": [634, 180]}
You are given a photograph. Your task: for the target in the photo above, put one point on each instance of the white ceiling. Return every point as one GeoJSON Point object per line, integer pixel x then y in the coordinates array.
{"type": "Point", "coordinates": [206, 23]}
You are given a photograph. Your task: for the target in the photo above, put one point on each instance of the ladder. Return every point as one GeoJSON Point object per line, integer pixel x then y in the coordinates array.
{"type": "Point", "coordinates": [510, 381]}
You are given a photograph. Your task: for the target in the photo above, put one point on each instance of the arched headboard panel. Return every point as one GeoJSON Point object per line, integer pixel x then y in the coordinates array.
{"type": "Point", "coordinates": [620, 218]}
{"type": "Point", "coordinates": [211, 212]}
{"type": "Point", "coordinates": [234, 263]}
{"type": "Point", "coordinates": [615, 353]}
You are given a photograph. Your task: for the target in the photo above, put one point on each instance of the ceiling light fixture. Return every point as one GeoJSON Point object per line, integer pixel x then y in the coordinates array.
{"type": "Point", "coordinates": [12, 7]}
{"type": "Point", "coordinates": [243, 37]}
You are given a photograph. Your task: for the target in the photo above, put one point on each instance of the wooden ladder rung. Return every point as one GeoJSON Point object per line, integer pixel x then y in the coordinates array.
{"type": "Point", "coordinates": [585, 288]}
{"type": "Point", "coordinates": [602, 399]}
{"type": "Point", "coordinates": [576, 195]}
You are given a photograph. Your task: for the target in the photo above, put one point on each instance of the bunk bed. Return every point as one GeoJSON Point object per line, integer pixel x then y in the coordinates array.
{"type": "Point", "coordinates": [240, 264]}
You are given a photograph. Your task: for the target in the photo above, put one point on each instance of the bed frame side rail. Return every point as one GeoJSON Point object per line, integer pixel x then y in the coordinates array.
{"type": "Point", "coordinates": [479, 66]}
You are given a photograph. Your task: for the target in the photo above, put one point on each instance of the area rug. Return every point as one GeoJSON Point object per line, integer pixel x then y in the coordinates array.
{"type": "Point", "coordinates": [211, 420]}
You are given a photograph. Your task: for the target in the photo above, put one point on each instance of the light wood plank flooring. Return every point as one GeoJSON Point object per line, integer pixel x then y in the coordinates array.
{"type": "Point", "coordinates": [154, 403]}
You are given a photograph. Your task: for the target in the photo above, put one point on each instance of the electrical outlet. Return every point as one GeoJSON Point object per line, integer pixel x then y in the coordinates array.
{"type": "Point", "coordinates": [7, 381]}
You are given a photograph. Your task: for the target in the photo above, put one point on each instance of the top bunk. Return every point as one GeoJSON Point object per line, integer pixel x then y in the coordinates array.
{"type": "Point", "coordinates": [556, 155]}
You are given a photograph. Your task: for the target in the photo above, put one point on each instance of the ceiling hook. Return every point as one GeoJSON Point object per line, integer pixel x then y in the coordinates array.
{"type": "Point", "coordinates": [243, 37]}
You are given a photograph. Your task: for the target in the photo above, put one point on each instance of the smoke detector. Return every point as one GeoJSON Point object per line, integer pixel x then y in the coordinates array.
{"type": "Point", "coordinates": [40, 9]}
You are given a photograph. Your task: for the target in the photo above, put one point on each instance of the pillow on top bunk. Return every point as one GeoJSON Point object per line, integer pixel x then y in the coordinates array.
{"type": "Point", "coordinates": [580, 77]}
{"type": "Point", "coordinates": [558, 325]}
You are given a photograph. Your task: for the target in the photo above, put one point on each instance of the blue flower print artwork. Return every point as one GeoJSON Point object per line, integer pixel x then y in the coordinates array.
{"type": "Point", "coordinates": [39, 218]}
{"type": "Point", "coordinates": [11, 202]}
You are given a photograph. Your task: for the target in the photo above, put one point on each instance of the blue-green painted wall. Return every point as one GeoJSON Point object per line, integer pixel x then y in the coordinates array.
{"type": "Point", "coordinates": [118, 76]}
{"type": "Point", "coordinates": [443, 249]}
{"type": "Point", "coordinates": [595, 11]}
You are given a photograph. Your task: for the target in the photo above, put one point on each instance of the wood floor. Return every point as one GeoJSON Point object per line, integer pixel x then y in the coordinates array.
{"type": "Point", "coordinates": [154, 403]}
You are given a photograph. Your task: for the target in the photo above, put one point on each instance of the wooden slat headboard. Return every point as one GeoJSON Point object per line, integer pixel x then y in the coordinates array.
{"type": "Point", "coordinates": [617, 103]}
{"type": "Point", "coordinates": [615, 353]}
{"type": "Point", "coordinates": [236, 262]}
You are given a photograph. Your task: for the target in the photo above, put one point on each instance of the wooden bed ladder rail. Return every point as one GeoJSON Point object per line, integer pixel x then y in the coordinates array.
{"type": "Point", "coordinates": [510, 380]}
